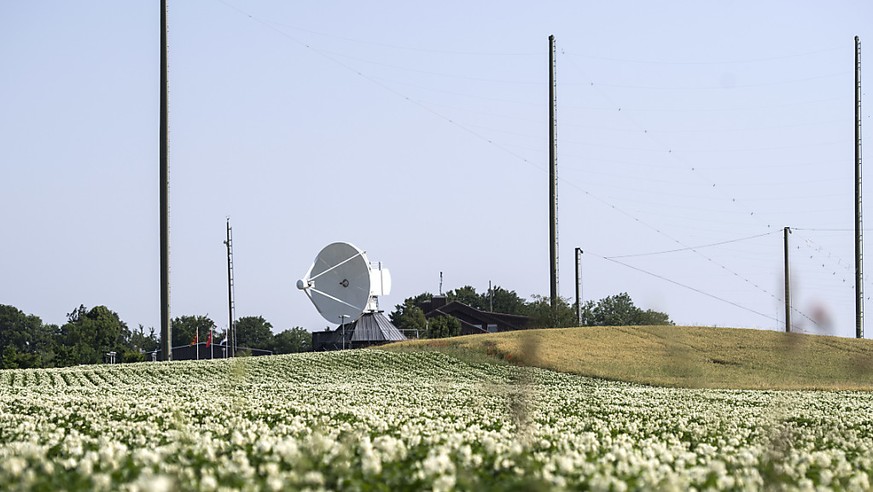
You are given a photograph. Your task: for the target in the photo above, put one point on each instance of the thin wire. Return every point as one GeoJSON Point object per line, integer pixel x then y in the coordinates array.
{"type": "Point", "coordinates": [820, 250]}
{"type": "Point", "coordinates": [482, 137]}
{"type": "Point", "coordinates": [718, 87]}
{"type": "Point", "coordinates": [428, 72]}
{"type": "Point", "coordinates": [518, 156]}
{"type": "Point", "coordinates": [758, 107]}
{"type": "Point", "coordinates": [826, 230]}
{"type": "Point", "coordinates": [696, 172]}
{"type": "Point", "coordinates": [382, 85]}
{"type": "Point", "coordinates": [708, 62]}
{"type": "Point", "coordinates": [692, 247]}
{"type": "Point", "coordinates": [399, 47]}
{"type": "Point", "coordinates": [694, 169]}
{"type": "Point", "coordinates": [712, 150]}
{"type": "Point", "coordinates": [712, 130]}
{"type": "Point", "coordinates": [694, 289]}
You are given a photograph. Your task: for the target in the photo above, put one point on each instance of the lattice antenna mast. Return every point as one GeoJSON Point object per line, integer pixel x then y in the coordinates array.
{"type": "Point", "coordinates": [859, 229]}
{"type": "Point", "coordinates": [553, 181]}
{"type": "Point", "coordinates": [578, 286]}
{"type": "Point", "coordinates": [231, 315]}
{"type": "Point", "coordinates": [164, 198]}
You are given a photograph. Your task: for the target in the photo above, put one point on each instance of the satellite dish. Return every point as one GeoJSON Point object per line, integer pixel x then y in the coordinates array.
{"type": "Point", "coordinates": [341, 283]}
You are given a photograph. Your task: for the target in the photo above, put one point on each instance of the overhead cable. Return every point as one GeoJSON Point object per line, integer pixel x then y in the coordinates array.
{"type": "Point", "coordinates": [690, 248]}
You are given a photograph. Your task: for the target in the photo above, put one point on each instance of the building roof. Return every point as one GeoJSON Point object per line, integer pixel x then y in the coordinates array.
{"type": "Point", "coordinates": [375, 327]}
{"type": "Point", "coordinates": [455, 308]}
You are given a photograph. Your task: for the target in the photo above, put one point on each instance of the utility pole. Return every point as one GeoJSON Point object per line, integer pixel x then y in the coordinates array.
{"type": "Point", "coordinates": [786, 231]}
{"type": "Point", "coordinates": [553, 180]}
{"type": "Point", "coordinates": [490, 298]}
{"type": "Point", "coordinates": [578, 287]}
{"type": "Point", "coordinates": [230, 343]}
{"type": "Point", "coordinates": [859, 229]}
{"type": "Point", "coordinates": [164, 180]}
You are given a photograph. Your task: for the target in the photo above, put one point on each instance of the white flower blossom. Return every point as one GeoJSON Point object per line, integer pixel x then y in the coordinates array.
{"type": "Point", "coordinates": [337, 421]}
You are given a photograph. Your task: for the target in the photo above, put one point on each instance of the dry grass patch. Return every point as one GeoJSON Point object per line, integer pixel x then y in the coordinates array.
{"type": "Point", "coordinates": [694, 357]}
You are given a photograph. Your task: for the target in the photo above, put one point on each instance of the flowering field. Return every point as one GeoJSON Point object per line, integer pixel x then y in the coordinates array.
{"type": "Point", "coordinates": [375, 420]}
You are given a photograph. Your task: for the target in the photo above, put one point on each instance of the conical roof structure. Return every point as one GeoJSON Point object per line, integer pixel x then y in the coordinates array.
{"type": "Point", "coordinates": [375, 327]}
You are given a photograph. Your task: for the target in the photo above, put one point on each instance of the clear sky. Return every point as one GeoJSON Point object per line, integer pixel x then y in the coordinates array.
{"type": "Point", "coordinates": [418, 131]}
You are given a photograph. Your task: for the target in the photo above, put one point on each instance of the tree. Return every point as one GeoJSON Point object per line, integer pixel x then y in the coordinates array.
{"type": "Point", "coordinates": [467, 295]}
{"type": "Point", "coordinates": [419, 299]}
{"type": "Point", "coordinates": [544, 316]}
{"type": "Point", "coordinates": [139, 343]}
{"type": "Point", "coordinates": [503, 301]}
{"type": "Point", "coordinates": [619, 310]}
{"type": "Point", "coordinates": [24, 340]}
{"type": "Point", "coordinates": [89, 334]}
{"type": "Point", "coordinates": [254, 332]}
{"type": "Point", "coordinates": [188, 328]}
{"type": "Point", "coordinates": [443, 327]}
{"type": "Point", "coordinates": [408, 316]}
{"type": "Point", "coordinates": [292, 341]}
{"type": "Point", "coordinates": [588, 313]}
{"type": "Point", "coordinates": [652, 317]}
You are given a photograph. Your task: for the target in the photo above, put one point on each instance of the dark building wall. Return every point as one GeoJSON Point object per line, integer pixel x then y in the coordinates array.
{"type": "Point", "coordinates": [329, 340]}
{"type": "Point", "coordinates": [323, 341]}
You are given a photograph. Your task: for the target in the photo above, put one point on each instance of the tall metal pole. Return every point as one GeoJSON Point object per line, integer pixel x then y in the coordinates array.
{"type": "Point", "coordinates": [859, 229]}
{"type": "Point", "coordinates": [231, 330]}
{"type": "Point", "coordinates": [786, 232]}
{"type": "Point", "coordinates": [578, 287]}
{"type": "Point", "coordinates": [553, 181]}
{"type": "Point", "coordinates": [166, 328]}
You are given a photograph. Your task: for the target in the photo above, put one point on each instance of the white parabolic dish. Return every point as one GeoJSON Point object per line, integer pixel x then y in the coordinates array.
{"type": "Point", "coordinates": [342, 284]}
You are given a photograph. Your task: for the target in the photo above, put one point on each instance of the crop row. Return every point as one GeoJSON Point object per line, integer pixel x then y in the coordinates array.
{"type": "Point", "coordinates": [374, 420]}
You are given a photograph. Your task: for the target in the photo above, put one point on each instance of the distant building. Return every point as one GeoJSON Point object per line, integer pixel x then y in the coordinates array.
{"type": "Point", "coordinates": [370, 329]}
{"type": "Point", "coordinates": [473, 320]}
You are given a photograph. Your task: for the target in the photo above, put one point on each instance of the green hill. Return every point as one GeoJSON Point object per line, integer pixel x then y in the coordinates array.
{"type": "Point", "coordinates": [691, 357]}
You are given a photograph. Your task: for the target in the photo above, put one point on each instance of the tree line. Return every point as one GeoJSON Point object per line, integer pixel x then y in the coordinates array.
{"type": "Point", "coordinates": [615, 310]}
{"type": "Point", "coordinates": [89, 334]}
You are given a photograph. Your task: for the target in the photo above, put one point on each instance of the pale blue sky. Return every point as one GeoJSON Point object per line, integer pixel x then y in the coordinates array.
{"type": "Point", "coordinates": [419, 132]}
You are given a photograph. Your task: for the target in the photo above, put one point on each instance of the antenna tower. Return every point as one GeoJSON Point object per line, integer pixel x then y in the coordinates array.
{"type": "Point", "coordinates": [785, 232]}
{"type": "Point", "coordinates": [578, 286]}
{"type": "Point", "coordinates": [859, 229]}
{"type": "Point", "coordinates": [231, 328]}
{"type": "Point", "coordinates": [553, 180]}
{"type": "Point", "coordinates": [164, 181]}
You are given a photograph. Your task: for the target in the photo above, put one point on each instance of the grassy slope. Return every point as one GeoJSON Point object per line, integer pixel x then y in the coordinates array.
{"type": "Point", "coordinates": [679, 356]}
